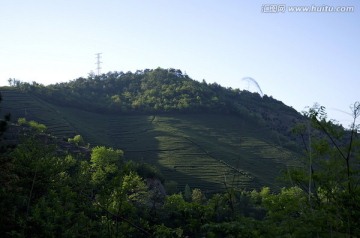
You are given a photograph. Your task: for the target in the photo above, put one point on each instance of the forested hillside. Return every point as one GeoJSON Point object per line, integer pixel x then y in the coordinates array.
{"type": "Point", "coordinates": [196, 133]}
{"type": "Point", "coordinates": [163, 91]}
{"type": "Point", "coordinates": [50, 191]}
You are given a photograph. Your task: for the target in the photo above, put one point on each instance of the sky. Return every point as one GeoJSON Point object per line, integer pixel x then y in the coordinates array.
{"type": "Point", "coordinates": [298, 58]}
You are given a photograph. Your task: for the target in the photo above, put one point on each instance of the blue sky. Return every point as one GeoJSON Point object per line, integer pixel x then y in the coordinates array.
{"type": "Point", "coordinates": [298, 58]}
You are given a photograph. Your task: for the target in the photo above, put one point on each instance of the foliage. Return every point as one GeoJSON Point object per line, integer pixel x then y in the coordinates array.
{"type": "Point", "coordinates": [162, 91]}
{"type": "Point", "coordinates": [33, 124]}
{"type": "Point", "coordinates": [331, 175]}
{"type": "Point", "coordinates": [77, 140]}
{"type": "Point", "coordinates": [82, 105]}
{"type": "Point", "coordinates": [6, 175]}
{"type": "Point", "coordinates": [106, 163]}
{"type": "Point", "coordinates": [171, 187]}
{"type": "Point", "coordinates": [45, 194]}
{"type": "Point", "coordinates": [151, 139]}
{"type": "Point", "coordinates": [54, 196]}
{"type": "Point", "coordinates": [148, 171]}
{"type": "Point", "coordinates": [3, 122]}
{"type": "Point", "coordinates": [187, 193]}
{"type": "Point", "coordinates": [22, 121]}
{"type": "Point", "coordinates": [197, 196]}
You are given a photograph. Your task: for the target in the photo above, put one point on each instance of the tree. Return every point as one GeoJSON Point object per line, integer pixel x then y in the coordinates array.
{"type": "Point", "coordinates": [3, 122]}
{"type": "Point", "coordinates": [197, 196]}
{"type": "Point", "coordinates": [38, 127]}
{"type": "Point", "coordinates": [77, 140]}
{"type": "Point", "coordinates": [331, 174]}
{"type": "Point", "coordinates": [5, 160]}
{"type": "Point", "coordinates": [14, 82]}
{"type": "Point", "coordinates": [120, 194]}
{"type": "Point", "coordinates": [106, 163]}
{"type": "Point", "coordinates": [187, 193]}
{"type": "Point", "coordinates": [7, 175]}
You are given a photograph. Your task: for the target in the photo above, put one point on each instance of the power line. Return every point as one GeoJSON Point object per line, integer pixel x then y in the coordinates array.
{"type": "Point", "coordinates": [98, 62]}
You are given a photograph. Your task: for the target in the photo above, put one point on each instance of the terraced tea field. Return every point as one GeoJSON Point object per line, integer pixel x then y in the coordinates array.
{"type": "Point", "coordinates": [203, 150]}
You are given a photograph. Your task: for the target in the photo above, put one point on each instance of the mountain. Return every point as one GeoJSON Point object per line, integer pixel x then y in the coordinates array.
{"type": "Point", "coordinates": [197, 133]}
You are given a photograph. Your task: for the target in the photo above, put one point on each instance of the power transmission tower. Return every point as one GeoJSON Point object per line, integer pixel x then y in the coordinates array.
{"type": "Point", "coordinates": [98, 62]}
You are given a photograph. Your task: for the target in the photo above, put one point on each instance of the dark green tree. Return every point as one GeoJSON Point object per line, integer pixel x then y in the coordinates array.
{"type": "Point", "coordinates": [331, 175]}
{"type": "Point", "coordinates": [7, 175]}
{"type": "Point", "coordinates": [3, 124]}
